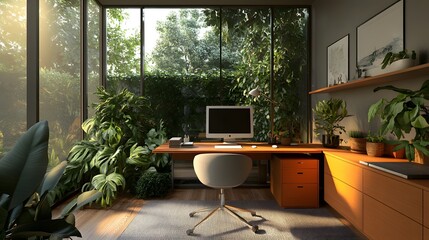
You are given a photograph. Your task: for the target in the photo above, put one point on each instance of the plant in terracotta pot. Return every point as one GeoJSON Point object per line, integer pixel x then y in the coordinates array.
{"type": "Point", "coordinates": [327, 116]}
{"type": "Point", "coordinates": [405, 112]}
{"type": "Point", "coordinates": [374, 145]}
{"type": "Point", "coordinates": [357, 141]}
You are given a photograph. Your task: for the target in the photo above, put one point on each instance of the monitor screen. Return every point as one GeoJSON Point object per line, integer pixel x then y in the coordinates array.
{"type": "Point", "coordinates": [229, 122]}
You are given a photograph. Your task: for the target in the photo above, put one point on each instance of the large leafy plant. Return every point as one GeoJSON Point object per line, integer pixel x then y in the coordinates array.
{"type": "Point", "coordinates": [328, 114]}
{"type": "Point", "coordinates": [114, 149]}
{"type": "Point", "coordinates": [25, 209]}
{"type": "Point", "coordinates": [405, 112]}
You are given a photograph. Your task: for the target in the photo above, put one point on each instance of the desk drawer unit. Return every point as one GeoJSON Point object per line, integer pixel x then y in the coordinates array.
{"type": "Point", "coordinates": [295, 181]}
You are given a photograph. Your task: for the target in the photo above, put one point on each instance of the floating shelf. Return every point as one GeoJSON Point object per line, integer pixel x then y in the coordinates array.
{"type": "Point", "coordinates": [405, 74]}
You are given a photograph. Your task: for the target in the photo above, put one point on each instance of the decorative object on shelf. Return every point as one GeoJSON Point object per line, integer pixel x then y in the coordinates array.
{"type": "Point", "coordinates": [338, 61]}
{"type": "Point", "coordinates": [256, 92]}
{"type": "Point", "coordinates": [389, 151]}
{"type": "Point", "coordinates": [327, 115]}
{"type": "Point", "coordinates": [357, 141]}
{"type": "Point", "coordinates": [401, 59]}
{"type": "Point", "coordinates": [379, 35]}
{"type": "Point", "coordinates": [405, 112]}
{"type": "Point", "coordinates": [374, 145]}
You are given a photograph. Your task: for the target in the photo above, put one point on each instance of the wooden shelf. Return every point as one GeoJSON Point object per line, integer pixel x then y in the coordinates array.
{"type": "Point", "coordinates": [405, 74]}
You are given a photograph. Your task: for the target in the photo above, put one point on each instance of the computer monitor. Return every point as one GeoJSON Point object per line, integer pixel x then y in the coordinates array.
{"type": "Point", "coordinates": [229, 122]}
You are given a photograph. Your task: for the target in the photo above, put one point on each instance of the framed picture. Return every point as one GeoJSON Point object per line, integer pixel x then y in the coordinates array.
{"type": "Point", "coordinates": [382, 33]}
{"type": "Point", "coordinates": [338, 61]}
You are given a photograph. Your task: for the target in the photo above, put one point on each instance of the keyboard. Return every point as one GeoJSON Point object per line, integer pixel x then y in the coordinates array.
{"type": "Point", "coordinates": [228, 146]}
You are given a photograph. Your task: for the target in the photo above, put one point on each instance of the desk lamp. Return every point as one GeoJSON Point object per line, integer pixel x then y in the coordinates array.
{"type": "Point", "coordinates": [257, 92]}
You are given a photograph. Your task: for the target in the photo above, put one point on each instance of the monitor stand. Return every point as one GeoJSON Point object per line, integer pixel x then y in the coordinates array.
{"type": "Point", "coordinates": [230, 141]}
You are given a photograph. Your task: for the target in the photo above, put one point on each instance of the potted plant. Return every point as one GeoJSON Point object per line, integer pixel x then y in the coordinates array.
{"type": "Point", "coordinates": [327, 115]}
{"type": "Point", "coordinates": [357, 141]}
{"type": "Point", "coordinates": [399, 60]}
{"type": "Point", "coordinates": [402, 114]}
{"type": "Point", "coordinates": [374, 145]}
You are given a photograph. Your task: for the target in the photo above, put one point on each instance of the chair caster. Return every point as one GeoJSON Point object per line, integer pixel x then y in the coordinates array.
{"type": "Point", "coordinates": [189, 232]}
{"type": "Point", "coordinates": [191, 214]}
{"type": "Point", "coordinates": [254, 228]}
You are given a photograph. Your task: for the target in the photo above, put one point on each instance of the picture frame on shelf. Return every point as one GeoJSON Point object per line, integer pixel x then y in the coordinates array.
{"type": "Point", "coordinates": [377, 36]}
{"type": "Point", "coordinates": [338, 61]}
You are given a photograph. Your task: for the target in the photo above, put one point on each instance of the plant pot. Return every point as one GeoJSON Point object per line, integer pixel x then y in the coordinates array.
{"type": "Point", "coordinates": [285, 141]}
{"type": "Point", "coordinates": [330, 141]}
{"type": "Point", "coordinates": [374, 149]}
{"type": "Point", "coordinates": [400, 64]}
{"type": "Point", "coordinates": [358, 145]}
{"type": "Point", "coordinates": [388, 151]}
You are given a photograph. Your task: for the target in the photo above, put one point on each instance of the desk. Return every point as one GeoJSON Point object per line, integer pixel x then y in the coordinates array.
{"type": "Point", "coordinates": [281, 176]}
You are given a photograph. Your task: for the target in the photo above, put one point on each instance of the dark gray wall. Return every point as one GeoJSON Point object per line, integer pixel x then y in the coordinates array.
{"type": "Point", "coordinates": [332, 20]}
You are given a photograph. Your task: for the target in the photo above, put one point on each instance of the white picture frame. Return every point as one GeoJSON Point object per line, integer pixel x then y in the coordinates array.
{"type": "Point", "coordinates": [338, 61]}
{"type": "Point", "coordinates": [382, 33]}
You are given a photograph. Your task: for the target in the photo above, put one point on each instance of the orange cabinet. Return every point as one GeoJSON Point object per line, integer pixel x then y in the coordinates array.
{"type": "Point", "coordinates": [295, 181]}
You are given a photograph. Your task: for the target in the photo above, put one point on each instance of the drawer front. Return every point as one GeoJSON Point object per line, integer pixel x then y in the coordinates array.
{"type": "Point", "coordinates": [400, 196]}
{"type": "Point", "coordinates": [300, 195]}
{"type": "Point", "coordinates": [306, 175]}
{"type": "Point", "coordinates": [426, 233]}
{"type": "Point", "coordinates": [426, 210]}
{"type": "Point", "coordinates": [300, 163]}
{"type": "Point", "coordinates": [344, 171]}
{"type": "Point", "coordinates": [382, 222]}
{"type": "Point", "coordinates": [344, 199]}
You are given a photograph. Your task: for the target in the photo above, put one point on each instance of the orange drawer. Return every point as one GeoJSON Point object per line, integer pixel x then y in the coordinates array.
{"type": "Point", "coordinates": [299, 163]}
{"type": "Point", "coordinates": [306, 175]}
{"type": "Point", "coordinates": [300, 195]}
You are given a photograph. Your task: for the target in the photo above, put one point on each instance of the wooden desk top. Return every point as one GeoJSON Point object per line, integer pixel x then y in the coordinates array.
{"type": "Point", "coordinates": [262, 148]}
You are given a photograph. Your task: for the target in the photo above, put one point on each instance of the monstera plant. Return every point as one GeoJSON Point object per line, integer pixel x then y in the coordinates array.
{"type": "Point", "coordinates": [114, 150]}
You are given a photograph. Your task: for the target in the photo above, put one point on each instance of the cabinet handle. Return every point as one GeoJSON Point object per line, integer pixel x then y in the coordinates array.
{"type": "Point", "coordinates": [300, 162]}
{"type": "Point", "coordinates": [300, 186]}
{"type": "Point", "coordinates": [299, 173]}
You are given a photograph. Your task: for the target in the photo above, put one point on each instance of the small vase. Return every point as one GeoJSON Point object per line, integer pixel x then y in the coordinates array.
{"type": "Point", "coordinates": [374, 149]}
{"type": "Point", "coordinates": [420, 158]}
{"type": "Point", "coordinates": [358, 145]}
{"type": "Point", "coordinates": [286, 141]}
{"type": "Point", "coordinates": [388, 151]}
{"type": "Point", "coordinates": [330, 141]}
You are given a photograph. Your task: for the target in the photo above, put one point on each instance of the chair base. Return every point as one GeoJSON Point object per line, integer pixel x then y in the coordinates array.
{"type": "Point", "coordinates": [229, 209]}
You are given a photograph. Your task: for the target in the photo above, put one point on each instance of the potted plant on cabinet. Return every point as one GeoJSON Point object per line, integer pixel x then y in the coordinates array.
{"type": "Point", "coordinates": [327, 115]}
{"type": "Point", "coordinates": [357, 141]}
{"type": "Point", "coordinates": [374, 145]}
{"type": "Point", "coordinates": [405, 112]}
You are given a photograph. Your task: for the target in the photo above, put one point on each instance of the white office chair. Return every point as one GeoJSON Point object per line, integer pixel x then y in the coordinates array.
{"type": "Point", "coordinates": [220, 171]}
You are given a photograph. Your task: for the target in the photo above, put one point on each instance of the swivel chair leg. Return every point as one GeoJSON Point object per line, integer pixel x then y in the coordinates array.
{"type": "Point", "coordinates": [234, 214]}
{"type": "Point", "coordinates": [191, 231]}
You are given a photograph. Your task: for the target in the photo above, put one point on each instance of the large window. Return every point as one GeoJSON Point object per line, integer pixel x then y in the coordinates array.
{"type": "Point", "coordinates": [59, 74]}
{"type": "Point", "coordinates": [13, 72]}
{"type": "Point", "coordinates": [123, 49]}
{"type": "Point", "coordinates": [94, 53]}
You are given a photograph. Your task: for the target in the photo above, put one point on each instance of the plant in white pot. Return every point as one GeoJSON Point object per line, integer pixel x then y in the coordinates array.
{"type": "Point", "coordinates": [399, 60]}
{"type": "Point", "coordinates": [327, 116]}
{"type": "Point", "coordinates": [405, 112]}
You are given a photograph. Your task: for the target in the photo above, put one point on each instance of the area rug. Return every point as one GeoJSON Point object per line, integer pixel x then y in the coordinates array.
{"type": "Point", "coordinates": [169, 219]}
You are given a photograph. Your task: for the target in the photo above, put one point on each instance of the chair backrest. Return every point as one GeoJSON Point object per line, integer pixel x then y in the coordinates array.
{"type": "Point", "coordinates": [222, 170]}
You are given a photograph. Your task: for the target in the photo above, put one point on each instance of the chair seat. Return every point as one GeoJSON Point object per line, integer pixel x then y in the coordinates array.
{"type": "Point", "coordinates": [220, 171]}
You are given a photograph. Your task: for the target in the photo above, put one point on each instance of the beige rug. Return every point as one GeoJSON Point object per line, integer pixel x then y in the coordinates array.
{"type": "Point", "coordinates": [169, 219]}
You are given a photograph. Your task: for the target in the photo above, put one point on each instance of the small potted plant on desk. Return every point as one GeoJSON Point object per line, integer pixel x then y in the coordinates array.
{"type": "Point", "coordinates": [327, 115]}
{"type": "Point", "coordinates": [405, 112]}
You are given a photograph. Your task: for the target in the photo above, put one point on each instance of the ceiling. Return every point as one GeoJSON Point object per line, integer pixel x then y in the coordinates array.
{"type": "Point", "coordinates": [202, 2]}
